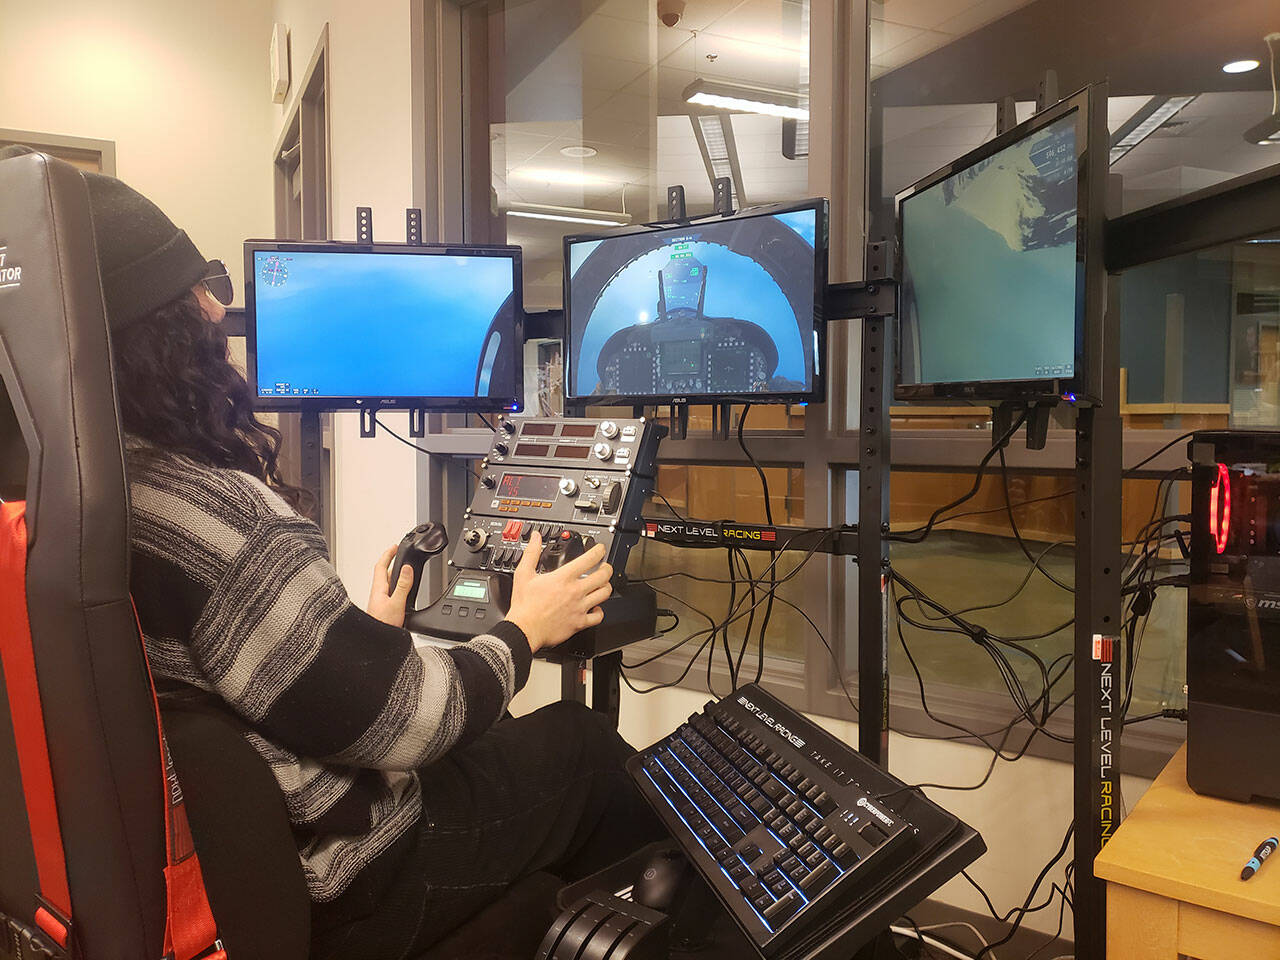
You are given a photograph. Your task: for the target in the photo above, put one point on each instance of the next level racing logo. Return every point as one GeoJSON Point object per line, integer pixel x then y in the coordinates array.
{"type": "Point", "coordinates": [1104, 656]}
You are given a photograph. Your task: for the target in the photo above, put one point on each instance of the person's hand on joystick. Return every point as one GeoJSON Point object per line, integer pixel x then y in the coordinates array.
{"type": "Point", "coordinates": [551, 607]}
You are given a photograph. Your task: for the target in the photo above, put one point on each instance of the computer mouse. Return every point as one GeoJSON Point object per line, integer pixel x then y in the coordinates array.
{"type": "Point", "coordinates": [660, 880]}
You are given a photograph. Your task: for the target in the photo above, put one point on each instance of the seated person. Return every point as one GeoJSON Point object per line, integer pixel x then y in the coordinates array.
{"type": "Point", "coordinates": [414, 804]}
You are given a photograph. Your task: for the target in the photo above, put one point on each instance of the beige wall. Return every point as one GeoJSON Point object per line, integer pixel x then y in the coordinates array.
{"type": "Point", "coordinates": [181, 88]}
{"type": "Point", "coordinates": [370, 165]}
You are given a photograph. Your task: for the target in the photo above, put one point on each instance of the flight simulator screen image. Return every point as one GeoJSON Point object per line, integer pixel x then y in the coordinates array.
{"type": "Point", "coordinates": [725, 307]}
{"type": "Point", "coordinates": [364, 324]}
{"type": "Point", "coordinates": [990, 274]}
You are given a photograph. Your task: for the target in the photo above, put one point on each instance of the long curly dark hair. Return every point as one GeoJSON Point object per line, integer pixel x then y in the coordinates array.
{"type": "Point", "coordinates": [180, 394]}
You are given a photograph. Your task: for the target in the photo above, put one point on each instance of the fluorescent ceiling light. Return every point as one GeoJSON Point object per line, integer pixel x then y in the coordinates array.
{"type": "Point", "coordinates": [746, 98]}
{"type": "Point", "coordinates": [1146, 121]}
{"type": "Point", "coordinates": [1240, 66]}
{"type": "Point", "coordinates": [545, 211]}
{"type": "Point", "coordinates": [562, 176]}
{"type": "Point", "coordinates": [717, 147]}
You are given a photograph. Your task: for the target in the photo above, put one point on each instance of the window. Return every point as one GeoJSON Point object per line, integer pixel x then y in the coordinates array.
{"type": "Point", "coordinates": [1198, 332]}
{"type": "Point", "coordinates": [590, 118]}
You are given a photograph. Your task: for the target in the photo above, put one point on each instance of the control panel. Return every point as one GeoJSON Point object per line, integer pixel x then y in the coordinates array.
{"type": "Point", "coordinates": [582, 480]}
{"type": "Point", "coordinates": [576, 482]}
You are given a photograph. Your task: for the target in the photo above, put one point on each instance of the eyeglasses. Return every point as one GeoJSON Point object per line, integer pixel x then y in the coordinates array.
{"type": "Point", "coordinates": [217, 281]}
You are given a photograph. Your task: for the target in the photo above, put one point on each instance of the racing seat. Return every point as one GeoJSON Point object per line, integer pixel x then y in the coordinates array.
{"type": "Point", "coordinates": [92, 830]}
{"type": "Point", "coordinates": [92, 824]}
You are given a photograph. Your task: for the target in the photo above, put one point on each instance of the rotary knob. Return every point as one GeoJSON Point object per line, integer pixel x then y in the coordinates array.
{"type": "Point", "coordinates": [603, 450]}
{"type": "Point", "coordinates": [500, 448]}
{"type": "Point", "coordinates": [487, 481]}
{"type": "Point", "coordinates": [475, 539]}
{"type": "Point", "coordinates": [509, 426]}
{"type": "Point", "coordinates": [609, 430]}
{"type": "Point", "coordinates": [568, 487]}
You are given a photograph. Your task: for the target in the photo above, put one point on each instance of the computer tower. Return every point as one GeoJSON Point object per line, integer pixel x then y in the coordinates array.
{"type": "Point", "coordinates": [1233, 615]}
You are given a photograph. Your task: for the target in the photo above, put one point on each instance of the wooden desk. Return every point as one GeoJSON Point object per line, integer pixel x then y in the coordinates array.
{"type": "Point", "coordinates": [1173, 876]}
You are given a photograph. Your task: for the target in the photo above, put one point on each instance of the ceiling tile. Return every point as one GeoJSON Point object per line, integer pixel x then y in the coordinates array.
{"type": "Point", "coordinates": [885, 35]}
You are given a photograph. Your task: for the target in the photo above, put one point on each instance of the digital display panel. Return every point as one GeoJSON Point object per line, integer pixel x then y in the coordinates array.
{"type": "Point", "coordinates": [471, 590]}
{"type": "Point", "coordinates": [532, 449]}
{"type": "Point", "coordinates": [348, 324]}
{"type": "Point", "coordinates": [523, 486]}
{"type": "Point", "coordinates": [578, 430]}
{"type": "Point", "coordinates": [573, 453]}
{"type": "Point", "coordinates": [538, 430]}
{"type": "Point", "coordinates": [991, 286]}
{"type": "Point", "coordinates": [726, 307]}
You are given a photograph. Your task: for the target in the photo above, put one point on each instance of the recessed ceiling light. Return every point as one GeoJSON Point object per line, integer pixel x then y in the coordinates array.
{"type": "Point", "coordinates": [578, 152]}
{"type": "Point", "coordinates": [1240, 66]}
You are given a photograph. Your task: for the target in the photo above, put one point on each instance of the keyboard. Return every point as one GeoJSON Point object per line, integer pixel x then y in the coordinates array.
{"type": "Point", "coordinates": [783, 822]}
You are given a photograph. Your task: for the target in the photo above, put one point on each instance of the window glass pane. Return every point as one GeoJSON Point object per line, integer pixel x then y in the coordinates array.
{"type": "Point", "coordinates": [1178, 121]}
{"type": "Point", "coordinates": [1200, 339]}
{"type": "Point", "coordinates": [725, 493]}
{"type": "Point", "coordinates": [590, 118]}
{"type": "Point", "coordinates": [973, 565]}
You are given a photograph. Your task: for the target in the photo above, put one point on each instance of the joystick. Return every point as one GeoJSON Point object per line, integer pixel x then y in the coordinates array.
{"type": "Point", "coordinates": [568, 546]}
{"type": "Point", "coordinates": [417, 547]}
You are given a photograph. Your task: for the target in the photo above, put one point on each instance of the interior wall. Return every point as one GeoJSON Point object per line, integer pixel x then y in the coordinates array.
{"type": "Point", "coordinates": [172, 85]}
{"type": "Point", "coordinates": [370, 121]}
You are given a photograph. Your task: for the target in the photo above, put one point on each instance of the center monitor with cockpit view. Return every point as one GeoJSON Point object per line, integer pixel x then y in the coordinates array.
{"type": "Point", "coordinates": [714, 310]}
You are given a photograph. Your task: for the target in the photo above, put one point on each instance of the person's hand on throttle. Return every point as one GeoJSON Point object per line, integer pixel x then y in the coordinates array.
{"type": "Point", "coordinates": [552, 607]}
{"type": "Point", "coordinates": [389, 609]}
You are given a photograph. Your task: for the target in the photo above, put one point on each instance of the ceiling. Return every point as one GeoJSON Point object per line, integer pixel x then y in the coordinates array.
{"type": "Point", "coordinates": [606, 75]}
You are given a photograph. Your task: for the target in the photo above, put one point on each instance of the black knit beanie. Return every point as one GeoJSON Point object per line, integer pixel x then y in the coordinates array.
{"type": "Point", "coordinates": [143, 258]}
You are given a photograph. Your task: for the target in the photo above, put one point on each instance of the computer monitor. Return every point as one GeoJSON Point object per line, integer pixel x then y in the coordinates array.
{"type": "Point", "coordinates": [716, 310]}
{"type": "Point", "coordinates": [335, 325]}
{"type": "Point", "coordinates": [1000, 272]}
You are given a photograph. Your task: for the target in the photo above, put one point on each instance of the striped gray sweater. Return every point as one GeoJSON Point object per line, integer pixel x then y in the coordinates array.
{"type": "Point", "coordinates": [237, 597]}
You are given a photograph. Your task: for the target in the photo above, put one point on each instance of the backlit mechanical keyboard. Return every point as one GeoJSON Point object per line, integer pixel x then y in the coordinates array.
{"type": "Point", "coordinates": [783, 821]}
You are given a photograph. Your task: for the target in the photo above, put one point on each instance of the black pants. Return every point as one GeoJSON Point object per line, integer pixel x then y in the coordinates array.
{"type": "Point", "coordinates": [544, 792]}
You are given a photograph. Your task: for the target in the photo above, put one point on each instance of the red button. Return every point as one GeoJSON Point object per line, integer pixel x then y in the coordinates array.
{"type": "Point", "coordinates": [512, 530]}
{"type": "Point", "coordinates": [566, 535]}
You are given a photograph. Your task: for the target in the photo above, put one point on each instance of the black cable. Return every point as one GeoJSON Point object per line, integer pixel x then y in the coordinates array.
{"type": "Point", "coordinates": [1019, 696]}
{"type": "Point", "coordinates": [1143, 462]}
{"type": "Point", "coordinates": [768, 515]}
{"type": "Point", "coordinates": [746, 636]}
{"type": "Point", "coordinates": [674, 512]}
{"type": "Point", "coordinates": [995, 755]}
{"type": "Point", "coordinates": [485, 420]}
{"type": "Point", "coordinates": [448, 457]}
{"type": "Point", "coordinates": [673, 615]}
{"type": "Point", "coordinates": [1017, 535]}
{"type": "Point", "coordinates": [1026, 907]}
{"type": "Point", "coordinates": [919, 533]}
{"type": "Point", "coordinates": [1168, 713]}
{"type": "Point", "coordinates": [830, 652]}
{"type": "Point", "coordinates": [737, 614]}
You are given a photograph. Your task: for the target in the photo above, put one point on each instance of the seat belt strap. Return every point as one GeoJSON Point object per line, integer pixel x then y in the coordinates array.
{"type": "Point", "coordinates": [52, 913]}
{"type": "Point", "coordinates": [190, 931]}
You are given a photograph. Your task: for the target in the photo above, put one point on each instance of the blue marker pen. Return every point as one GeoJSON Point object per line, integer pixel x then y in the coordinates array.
{"type": "Point", "coordinates": [1267, 848]}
